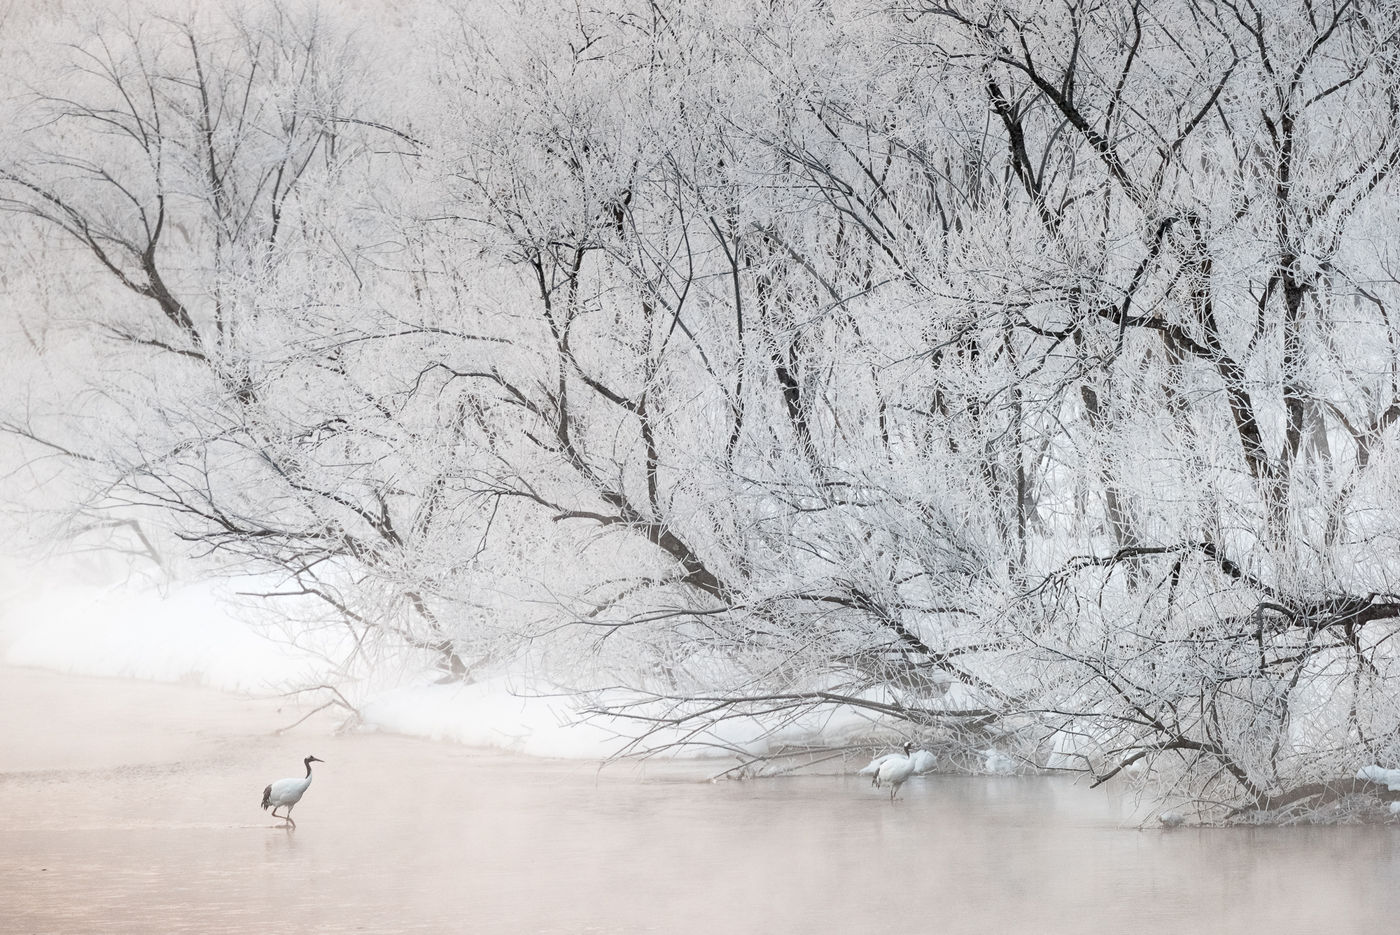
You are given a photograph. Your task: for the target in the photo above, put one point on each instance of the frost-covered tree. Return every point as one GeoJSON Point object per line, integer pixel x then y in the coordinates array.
{"type": "Point", "coordinates": [1015, 373]}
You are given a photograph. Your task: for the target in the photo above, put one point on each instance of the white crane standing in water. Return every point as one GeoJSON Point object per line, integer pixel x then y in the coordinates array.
{"type": "Point", "coordinates": [891, 769]}
{"type": "Point", "coordinates": [895, 768]}
{"type": "Point", "coordinates": [284, 793]}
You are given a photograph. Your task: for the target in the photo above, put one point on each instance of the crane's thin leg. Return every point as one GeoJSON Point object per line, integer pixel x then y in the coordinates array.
{"type": "Point", "coordinates": [274, 811]}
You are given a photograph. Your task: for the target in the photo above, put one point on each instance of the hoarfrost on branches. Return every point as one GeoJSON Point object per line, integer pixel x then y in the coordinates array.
{"type": "Point", "coordinates": [1021, 374]}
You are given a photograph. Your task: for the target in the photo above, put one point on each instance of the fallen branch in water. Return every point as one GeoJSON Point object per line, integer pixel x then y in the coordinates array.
{"type": "Point", "coordinates": [339, 701]}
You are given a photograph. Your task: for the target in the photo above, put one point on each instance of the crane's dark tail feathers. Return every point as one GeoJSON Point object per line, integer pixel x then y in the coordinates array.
{"type": "Point", "coordinates": [267, 797]}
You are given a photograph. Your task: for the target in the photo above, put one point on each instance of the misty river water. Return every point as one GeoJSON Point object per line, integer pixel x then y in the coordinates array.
{"type": "Point", "coordinates": [130, 807]}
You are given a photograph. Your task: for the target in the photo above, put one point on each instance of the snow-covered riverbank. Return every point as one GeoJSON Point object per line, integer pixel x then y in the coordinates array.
{"type": "Point", "coordinates": [188, 635]}
{"type": "Point", "coordinates": [191, 635]}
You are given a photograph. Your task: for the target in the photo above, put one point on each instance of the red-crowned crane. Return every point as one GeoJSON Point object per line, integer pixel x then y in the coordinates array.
{"type": "Point", "coordinates": [920, 761]}
{"type": "Point", "coordinates": [284, 793]}
{"type": "Point", "coordinates": [892, 769]}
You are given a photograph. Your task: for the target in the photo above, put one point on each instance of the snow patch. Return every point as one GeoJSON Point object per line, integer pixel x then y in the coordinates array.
{"type": "Point", "coordinates": [488, 714]}
{"type": "Point", "coordinates": [1390, 778]}
{"type": "Point", "coordinates": [182, 636]}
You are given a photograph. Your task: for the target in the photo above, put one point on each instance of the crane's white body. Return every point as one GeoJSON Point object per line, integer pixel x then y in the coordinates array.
{"type": "Point", "coordinates": [284, 793]}
{"type": "Point", "coordinates": [873, 768]}
{"type": "Point", "coordinates": [288, 791]}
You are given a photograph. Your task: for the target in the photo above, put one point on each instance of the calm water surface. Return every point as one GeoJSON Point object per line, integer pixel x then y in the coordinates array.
{"type": "Point", "coordinates": [133, 808]}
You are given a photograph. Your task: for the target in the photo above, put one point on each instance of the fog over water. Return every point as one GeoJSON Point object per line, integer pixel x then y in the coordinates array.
{"type": "Point", "coordinates": [133, 807]}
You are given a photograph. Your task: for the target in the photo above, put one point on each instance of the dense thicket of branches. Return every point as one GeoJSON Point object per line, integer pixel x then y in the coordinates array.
{"type": "Point", "coordinates": [1023, 373]}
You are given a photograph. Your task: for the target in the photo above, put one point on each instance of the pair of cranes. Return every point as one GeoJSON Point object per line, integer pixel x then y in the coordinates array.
{"type": "Point", "coordinates": [891, 770]}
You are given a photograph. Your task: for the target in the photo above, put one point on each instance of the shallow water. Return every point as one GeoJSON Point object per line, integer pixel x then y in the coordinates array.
{"type": "Point", "coordinates": [133, 807]}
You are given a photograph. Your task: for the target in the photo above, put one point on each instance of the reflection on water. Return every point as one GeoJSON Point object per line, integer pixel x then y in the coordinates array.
{"type": "Point", "coordinates": [134, 808]}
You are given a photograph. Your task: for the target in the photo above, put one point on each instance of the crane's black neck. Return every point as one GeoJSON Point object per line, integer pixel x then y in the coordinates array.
{"type": "Point", "coordinates": [307, 761]}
